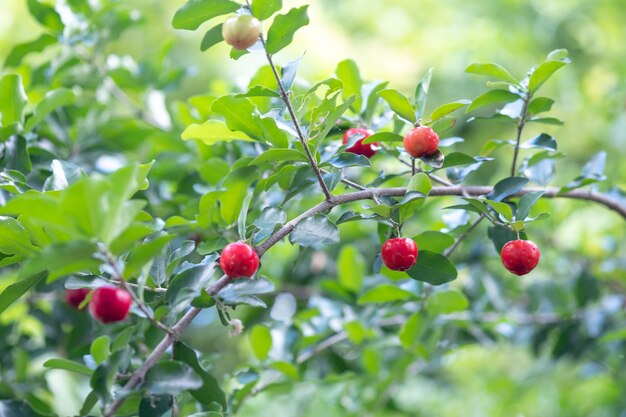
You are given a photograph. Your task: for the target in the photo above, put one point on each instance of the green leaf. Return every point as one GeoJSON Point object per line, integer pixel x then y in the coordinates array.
{"type": "Point", "coordinates": [212, 37]}
{"type": "Point", "coordinates": [383, 137]}
{"type": "Point", "coordinates": [593, 172]}
{"type": "Point", "coordinates": [421, 93]}
{"type": "Point", "coordinates": [541, 74]}
{"type": "Point", "coordinates": [260, 341]}
{"type": "Point", "coordinates": [243, 214]}
{"type": "Point", "coordinates": [188, 284]}
{"type": "Point", "coordinates": [432, 268]}
{"type": "Point", "coordinates": [458, 158]}
{"type": "Point", "coordinates": [237, 185]}
{"type": "Point", "coordinates": [245, 292]}
{"type": "Point", "coordinates": [433, 241]}
{"type": "Point", "coordinates": [61, 259]}
{"type": "Point", "coordinates": [280, 155]}
{"type": "Point", "coordinates": [100, 349]}
{"type": "Point", "coordinates": [348, 72]}
{"type": "Point", "coordinates": [13, 292]}
{"type": "Point", "coordinates": [348, 159]}
{"type": "Point", "coordinates": [420, 183]}
{"type": "Point", "coordinates": [171, 377]}
{"type": "Point", "coordinates": [443, 124]}
{"type": "Point", "coordinates": [123, 338]}
{"type": "Point", "coordinates": [51, 101]}
{"type": "Point", "coordinates": [212, 132]}
{"type": "Point", "coordinates": [13, 100]}
{"type": "Point", "coordinates": [506, 188]}
{"type": "Point", "coordinates": [195, 12]}
{"type": "Point", "coordinates": [331, 121]}
{"type": "Point", "coordinates": [501, 208]}
{"type": "Point", "coordinates": [525, 203]}
{"type": "Point", "coordinates": [547, 121]}
{"type": "Point", "coordinates": [284, 27]}
{"type": "Point", "coordinates": [46, 15]}
{"type": "Point", "coordinates": [540, 105]}
{"type": "Point", "coordinates": [144, 253]}
{"type": "Point", "coordinates": [446, 302]}
{"type": "Point", "coordinates": [491, 70]}
{"type": "Point", "coordinates": [315, 231]}
{"type": "Point", "coordinates": [270, 218]}
{"type": "Point", "coordinates": [15, 241]}
{"type": "Point", "coordinates": [448, 108]}
{"type": "Point", "coordinates": [541, 141]}
{"type": "Point", "coordinates": [399, 103]}
{"type": "Point", "coordinates": [14, 408]}
{"type": "Point", "coordinates": [384, 293]}
{"type": "Point", "coordinates": [350, 268]}
{"type": "Point", "coordinates": [67, 365]}
{"type": "Point", "coordinates": [492, 97]}
{"type": "Point", "coordinates": [500, 235]}
{"type": "Point", "coordinates": [264, 9]}
{"type": "Point", "coordinates": [19, 51]}
{"type": "Point", "coordinates": [210, 390]}
{"type": "Point", "coordinates": [411, 329]}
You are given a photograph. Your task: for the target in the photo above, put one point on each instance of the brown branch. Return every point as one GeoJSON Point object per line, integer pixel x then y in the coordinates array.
{"type": "Point", "coordinates": [325, 206]}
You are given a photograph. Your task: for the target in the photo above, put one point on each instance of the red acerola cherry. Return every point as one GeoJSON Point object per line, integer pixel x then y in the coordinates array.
{"type": "Point", "coordinates": [368, 149]}
{"type": "Point", "coordinates": [239, 260]}
{"type": "Point", "coordinates": [241, 32]}
{"type": "Point", "coordinates": [110, 304]}
{"type": "Point", "coordinates": [520, 256]}
{"type": "Point", "coordinates": [421, 141]}
{"type": "Point", "coordinates": [399, 254]}
{"type": "Point", "coordinates": [76, 297]}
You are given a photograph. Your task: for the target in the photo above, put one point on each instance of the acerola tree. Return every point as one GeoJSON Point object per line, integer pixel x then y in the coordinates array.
{"type": "Point", "coordinates": [323, 199]}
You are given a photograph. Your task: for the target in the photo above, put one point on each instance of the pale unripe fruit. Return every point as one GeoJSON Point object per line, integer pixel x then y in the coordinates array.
{"type": "Point", "coordinates": [242, 31]}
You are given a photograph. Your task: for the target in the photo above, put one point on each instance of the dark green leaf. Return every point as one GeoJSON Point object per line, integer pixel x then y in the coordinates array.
{"type": "Point", "coordinates": [348, 159]}
{"type": "Point", "coordinates": [506, 188]}
{"type": "Point", "coordinates": [541, 141]}
{"type": "Point", "coordinates": [210, 390]}
{"type": "Point", "coordinates": [172, 377]}
{"type": "Point", "coordinates": [435, 160]}
{"type": "Point", "coordinates": [155, 406]}
{"type": "Point", "coordinates": [67, 365]}
{"type": "Point", "coordinates": [432, 268]}
{"type": "Point", "coordinates": [316, 231]}
{"type": "Point", "coordinates": [525, 203]}
{"type": "Point", "coordinates": [244, 291]}
{"type": "Point", "coordinates": [46, 15]}
{"type": "Point", "coordinates": [14, 408]}
{"type": "Point", "coordinates": [500, 235]}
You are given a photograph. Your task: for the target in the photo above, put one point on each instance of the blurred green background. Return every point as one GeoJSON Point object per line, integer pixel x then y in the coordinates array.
{"type": "Point", "coordinates": [398, 40]}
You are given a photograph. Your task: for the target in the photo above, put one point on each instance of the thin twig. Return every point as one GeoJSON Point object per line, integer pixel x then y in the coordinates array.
{"type": "Point", "coordinates": [462, 237]}
{"type": "Point", "coordinates": [520, 127]}
{"type": "Point", "coordinates": [296, 124]}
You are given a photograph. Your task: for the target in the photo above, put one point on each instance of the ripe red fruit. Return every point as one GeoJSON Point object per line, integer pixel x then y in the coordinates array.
{"type": "Point", "coordinates": [399, 254]}
{"type": "Point", "coordinates": [242, 31]}
{"type": "Point", "coordinates": [110, 304]}
{"type": "Point", "coordinates": [359, 148]}
{"type": "Point", "coordinates": [239, 260]}
{"type": "Point", "coordinates": [421, 141]}
{"type": "Point", "coordinates": [76, 297]}
{"type": "Point", "coordinates": [520, 256]}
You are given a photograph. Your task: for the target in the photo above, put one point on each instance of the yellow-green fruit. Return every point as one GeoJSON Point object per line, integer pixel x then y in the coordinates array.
{"type": "Point", "coordinates": [241, 32]}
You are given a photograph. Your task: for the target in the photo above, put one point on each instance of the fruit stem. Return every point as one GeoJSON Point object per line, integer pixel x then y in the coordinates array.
{"type": "Point", "coordinates": [520, 127]}
{"type": "Point", "coordinates": [296, 124]}
{"type": "Point", "coordinates": [413, 171]}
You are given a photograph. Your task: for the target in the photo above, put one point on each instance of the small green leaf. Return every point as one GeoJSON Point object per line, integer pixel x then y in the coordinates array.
{"type": "Point", "coordinates": [506, 188]}
{"type": "Point", "coordinates": [420, 182]}
{"type": "Point", "coordinates": [123, 338]}
{"type": "Point", "coordinates": [448, 108]}
{"type": "Point", "coordinates": [383, 137]}
{"type": "Point", "coordinates": [411, 330]}
{"type": "Point", "coordinates": [544, 71]}
{"type": "Point", "coordinates": [384, 293]}
{"type": "Point", "coordinates": [210, 390]}
{"type": "Point", "coordinates": [540, 105]}
{"type": "Point", "coordinates": [433, 241]}
{"type": "Point", "coordinates": [212, 37]}
{"type": "Point", "coordinates": [264, 9]}
{"type": "Point", "coordinates": [260, 342]}
{"type": "Point", "coordinates": [13, 292]}
{"type": "Point", "coordinates": [67, 365]}
{"type": "Point", "coordinates": [284, 27]}
{"type": "Point", "coordinates": [19, 51]}
{"type": "Point", "coordinates": [348, 72]}
{"type": "Point", "coordinates": [170, 377]}
{"type": "Point", "coordinates": [280, 155]}
{"type": "Point", "coordinates": [51, 101]}
{"type": "Point", "coordinates": [491, 70]}
{"type": "Point", "coordinates": [421, 93]}
{"type": "Point", "coordinates": [100, 349]}
{"type": "Point", "coordinates": [195, 12]}
{"type": "Point", "coordinates": [348, 159]}
{"type": "Point", "coordinates": [46, 15]}
{"type": "Point", "coordinates": [446, 302]}
{"type": "Point", "coordinates": [399, 103]}
{"type": "Point", "coordinates": [492, 97]}
{"type": "Point", "coordinates": [432, 268]}
{"type": "Point", "coordinates": [243, 214]}
{"type": "Point", "coordinates": [13, 100]}
{"type": "Point", "coordinates": [212, 132]}
{"type": "Point", "coordinates": [501, 208]}
{"type": "Point", "coordinates": [541, 141]}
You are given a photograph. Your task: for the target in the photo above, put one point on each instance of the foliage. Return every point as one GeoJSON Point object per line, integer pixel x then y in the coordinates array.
{"type": "Point", "coordinates": [109, 177]}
